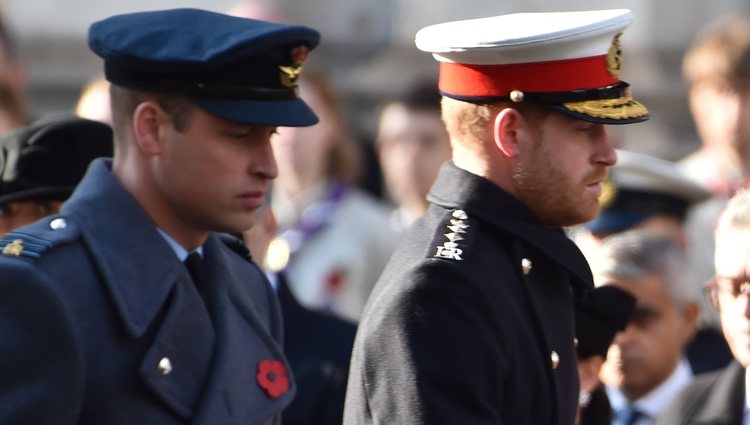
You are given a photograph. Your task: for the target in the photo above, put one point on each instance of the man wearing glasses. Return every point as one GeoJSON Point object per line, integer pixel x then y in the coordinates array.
{"type": "Point", "coordinates": [722, 397]}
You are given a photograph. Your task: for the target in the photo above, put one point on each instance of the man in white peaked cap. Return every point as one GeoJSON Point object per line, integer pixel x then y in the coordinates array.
{"type": "Point", "coordinates": [472, 320]}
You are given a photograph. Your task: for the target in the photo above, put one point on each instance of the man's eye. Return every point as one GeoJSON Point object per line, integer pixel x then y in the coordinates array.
{"type": "Point", "coordinates": [642, 318]}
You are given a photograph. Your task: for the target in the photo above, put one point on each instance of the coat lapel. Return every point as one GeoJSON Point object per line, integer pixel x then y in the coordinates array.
{"type": "Point", "coordinates": [233, 392]}
{"type": "Point", "coordinates": [725, 405]}
{"type": "Point", "coordinates": [152, 292]}
{"type": "Point", "coordinates": [177, 363]}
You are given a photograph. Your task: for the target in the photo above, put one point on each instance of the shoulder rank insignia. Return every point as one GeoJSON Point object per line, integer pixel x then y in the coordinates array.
{"type": "Point", "coordinates": [457, 227]}
{"type": "Point", "coordinates": [21, 244]}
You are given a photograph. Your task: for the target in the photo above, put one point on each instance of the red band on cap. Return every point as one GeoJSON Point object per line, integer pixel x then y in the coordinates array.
{"type": "Point", "coordinates": [542, 77]}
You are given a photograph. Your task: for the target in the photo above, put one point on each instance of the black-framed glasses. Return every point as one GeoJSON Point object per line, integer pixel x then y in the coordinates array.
{"type": "Point", "coordinates": [732, 288]}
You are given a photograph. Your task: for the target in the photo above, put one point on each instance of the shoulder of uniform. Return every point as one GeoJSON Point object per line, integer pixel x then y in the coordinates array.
{"type": "Point", "coordinates": [236, 244]}
{"type": "Point", "coordinates": [34, 240]}
{"type": "Point", "coordinates": [454, 236]}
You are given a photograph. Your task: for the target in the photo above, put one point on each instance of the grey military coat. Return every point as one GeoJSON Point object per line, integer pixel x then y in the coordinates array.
{"type": "Point", "coordinates": [472, 321]}
{"type": "Point", "coordinates": [101, 324]}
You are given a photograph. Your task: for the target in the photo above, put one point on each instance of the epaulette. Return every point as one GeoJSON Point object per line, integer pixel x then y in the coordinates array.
{"type": "Point", "coordinates": [454, 243]}
{"type": "Point", "coordinates": [236, 244]}
{"type": "Point", "coordinates": [33, 240]}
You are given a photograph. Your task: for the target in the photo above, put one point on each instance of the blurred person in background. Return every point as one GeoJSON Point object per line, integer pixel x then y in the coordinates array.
{"type": "Point", "coordinates": [648, 193]}
{"type": "Point", "coordinates": [93, 101]}
{"type": "Point", "coordinates": [646, 365]}
{"type": "Point", "coordinates": [13, 100]}
{"type": "Point", "coordinates": [599, 315]}
{"type": "Point", "coordinates": [717, 70]}
{"type": "Point", "coordinates": [334, 238]}
{"type": "Point", "coordinates": [43, 163]}
{"type": "Point", "coordinates": [412, 144]}
{"type": "Point", "coordinates": [723, 397]}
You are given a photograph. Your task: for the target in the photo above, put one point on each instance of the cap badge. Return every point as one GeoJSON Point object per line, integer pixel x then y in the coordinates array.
{"type": "Point", "coordinates": [608, 195]}
{"type": "Point", "coordinates": [290, 74]}
{"type": "Point", "coordinates": [614, 57]}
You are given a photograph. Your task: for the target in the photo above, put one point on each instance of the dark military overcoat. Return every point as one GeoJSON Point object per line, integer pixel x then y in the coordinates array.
{"type": "Point", "coordinates": [472, 320]}
{"type": "Point", "coordinates": [100, 323]}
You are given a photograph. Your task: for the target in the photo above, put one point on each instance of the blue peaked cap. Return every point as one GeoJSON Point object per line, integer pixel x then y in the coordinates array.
{"type": "Point", "coordinates": [239, 69]}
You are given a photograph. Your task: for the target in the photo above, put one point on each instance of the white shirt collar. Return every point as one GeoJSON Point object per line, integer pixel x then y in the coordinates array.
{"type": "Point", "coordinates": [181, 252]}
{"type": "Point", "coordinates": [659, 398]}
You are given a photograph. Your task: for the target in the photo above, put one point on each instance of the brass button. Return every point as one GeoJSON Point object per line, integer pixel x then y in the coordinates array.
{"type": "Point", "coordinates": [165, 366]}
{"type": "Point", "coordinates": [526, 266]}
{"type": "Point", "coordinates": [516, 96]}
{"type": "Point", "coordinates": [555, 358]}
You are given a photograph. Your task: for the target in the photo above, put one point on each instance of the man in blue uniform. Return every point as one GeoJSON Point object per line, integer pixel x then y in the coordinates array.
{"type": "Point", "coordinates": [102, 323]}
{"type": "Point", "coordinates": [472, 320]}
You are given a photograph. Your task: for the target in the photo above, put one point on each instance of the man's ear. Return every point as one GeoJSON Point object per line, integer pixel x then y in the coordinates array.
{"type": "Point", "coordinates": [507, 130]}
{"type": "Point", "coordinates": [148, 119]}
{"type": "Point", "coordinates": [690, 315]}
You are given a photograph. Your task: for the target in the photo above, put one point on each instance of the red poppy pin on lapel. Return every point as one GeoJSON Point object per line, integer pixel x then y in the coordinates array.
{"type": "Point", "coordinates": [272, 377]}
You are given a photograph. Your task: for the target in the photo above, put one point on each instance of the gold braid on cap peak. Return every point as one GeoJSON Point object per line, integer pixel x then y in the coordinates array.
{"type": "Point", "coordinates": [620, 108]}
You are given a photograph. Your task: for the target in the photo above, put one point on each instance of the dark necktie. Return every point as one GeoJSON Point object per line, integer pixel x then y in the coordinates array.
{"type": "Point", "coordinates": [194, 264]}
{"type": "Point", "coordinates": [629, 416]}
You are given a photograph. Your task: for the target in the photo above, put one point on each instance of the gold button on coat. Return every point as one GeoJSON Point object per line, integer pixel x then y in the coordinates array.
{"type": "Point", "coordinates": [555, 358]}
{"type": "Point", "coordinates": [526, 266]}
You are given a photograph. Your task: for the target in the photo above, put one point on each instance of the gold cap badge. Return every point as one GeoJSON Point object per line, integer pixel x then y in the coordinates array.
{"type": "Point", "coordinates": [290, 74]}
{"type": "Point", "coordinates": [614, 57]}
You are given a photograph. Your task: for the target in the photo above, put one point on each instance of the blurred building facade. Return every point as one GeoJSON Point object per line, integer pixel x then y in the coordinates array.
{"type": "Point", "coordinates": [368, 50]}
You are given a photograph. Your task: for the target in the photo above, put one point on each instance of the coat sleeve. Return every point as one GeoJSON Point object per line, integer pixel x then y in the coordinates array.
{"type": "Point", "coordinates": [437, 355]}
{"type": "Point", "coordinates": [40, 367]}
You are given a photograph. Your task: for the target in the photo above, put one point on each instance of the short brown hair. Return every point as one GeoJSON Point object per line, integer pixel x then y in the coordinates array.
{"type": "Point", "coordinates": [124, 101]}
{"type": "Point", "coordinates": [721, 53]}
{"type": "Point", "coordinates": [471, 122]}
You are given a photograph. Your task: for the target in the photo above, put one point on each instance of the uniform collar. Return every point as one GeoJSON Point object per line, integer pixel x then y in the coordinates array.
{"type": "Point", "coordinates": [458, 188]}
{"type": "Point", "coordinates": [178, 249]}
{"type": "Point", "coordinates": [137, 264]}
